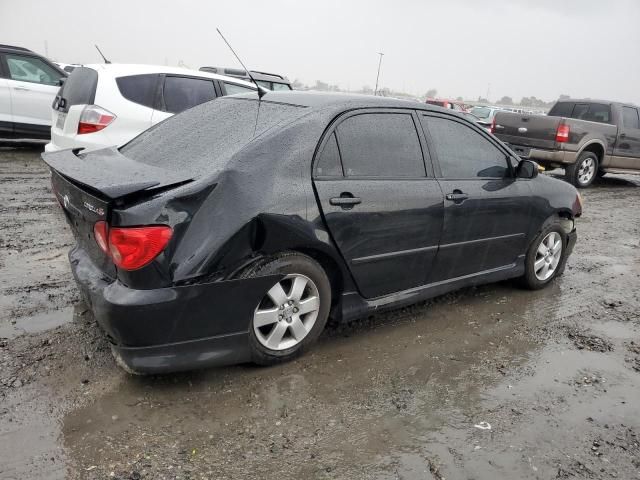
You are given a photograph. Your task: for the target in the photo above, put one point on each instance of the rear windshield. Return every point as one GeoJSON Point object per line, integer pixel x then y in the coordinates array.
{"type": "Point", "coordinates": [203, 138]}
{"type": "Point", "coordinates": [78, 89]}
{"type": "Point", "coordinates": [561, 109]}
{"type": "Point", "coordinates": [481, 112]}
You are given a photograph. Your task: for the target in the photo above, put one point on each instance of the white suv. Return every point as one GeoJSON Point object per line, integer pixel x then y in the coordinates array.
{"type": "Point", "coordinates": [28, 85]}
{"type": "Point", "coordinates": [105, 105]}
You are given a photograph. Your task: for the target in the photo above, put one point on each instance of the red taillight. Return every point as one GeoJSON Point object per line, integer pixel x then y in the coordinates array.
{"type": "Point", "coordinates": [492, 129]}
{"type": "Point", "coordinates": [132, 248]}
{"type": "Point", "coordinates": [562, 134]}
{"type": "Point", "coordinates": [93, 119]}
{"type": "Point", "coordinates": [100, 231]}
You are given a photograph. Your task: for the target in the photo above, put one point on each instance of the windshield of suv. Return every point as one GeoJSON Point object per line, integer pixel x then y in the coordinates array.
{"type": "Point", "coordinates": [203, 138]}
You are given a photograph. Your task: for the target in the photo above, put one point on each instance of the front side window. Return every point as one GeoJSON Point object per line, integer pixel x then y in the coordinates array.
{"type": "Point", "coordinates": [233, 88]}
{"type": "Point", "coordinates": [463, 152]}
{"type": "Point", "coordinates": [630, 118]}
{"type": "Point", "coordinates": [140, 89]}
{"type": "Point", "coordinates": [380, 145]}
{"type": "Point", "coordinates": [31, 69]}
{"type": "Point", "coordinates": [182, 93]}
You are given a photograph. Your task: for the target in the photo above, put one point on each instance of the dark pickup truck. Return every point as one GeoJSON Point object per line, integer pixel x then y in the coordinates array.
{"type": "Point", "coordinates": [588, 138]}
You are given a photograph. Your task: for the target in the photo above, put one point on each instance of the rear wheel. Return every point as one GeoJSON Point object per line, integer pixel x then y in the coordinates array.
{"type": "Point", "coordinates": [293, 312]}
{"type": "Point", "coordinates": [546, 256]}
{"type": "Point", "coordinates": [582, 173]}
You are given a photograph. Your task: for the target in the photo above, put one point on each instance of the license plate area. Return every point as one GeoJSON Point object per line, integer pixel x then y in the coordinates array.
{"type": "Point", "coordinates": [62, 118]}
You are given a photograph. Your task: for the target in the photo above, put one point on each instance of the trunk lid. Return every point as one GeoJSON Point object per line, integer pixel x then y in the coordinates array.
{"type": "Point", "coordinates": [110, 174]}
{"type": "Point", "coordinates": [87, 186]}
{"type": "Point", "coordinates": [537, 131]}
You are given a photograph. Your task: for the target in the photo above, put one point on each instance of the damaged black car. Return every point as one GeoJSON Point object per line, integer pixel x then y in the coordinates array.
{"type": "Point", "coordinates": [233, 231]}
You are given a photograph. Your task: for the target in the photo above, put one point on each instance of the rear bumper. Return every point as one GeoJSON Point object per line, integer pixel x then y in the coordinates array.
{"type": "Point", "coordinates": [174, 328]}
{"type": "Point", "coordinates": [544, 156]}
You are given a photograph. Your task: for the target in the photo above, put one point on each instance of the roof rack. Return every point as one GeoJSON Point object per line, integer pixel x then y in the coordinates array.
{"type": "Point", "coordinates": [267, 73]}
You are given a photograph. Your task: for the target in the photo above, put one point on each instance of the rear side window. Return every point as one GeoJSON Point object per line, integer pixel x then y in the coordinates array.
{"type": "Point", "coordinates": [630, 118]}
{"type": "Point", "coordinates": [140, 89]}
{"type": "Point", "coordinates": [182, 93]}
{"type": "Point", "coordinates": [380, 145]}
{"type": "Point", "coordinates": [463, 152]}
{"type": "Point", "coordinates": [561, 109]}
{"type": "Point", "coordinates": [281, 86]}
{"type": "Point", "coordinates": [328, 164]}
{"type": "Point", "coordinates": [232, 88]}
{"type": "Point", "coordinates": [78, 89]}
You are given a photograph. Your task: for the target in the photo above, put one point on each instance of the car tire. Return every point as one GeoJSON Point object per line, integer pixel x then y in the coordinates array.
{"type": "Point", "coordinates": [584, 171]}
{"type": "Point", "coordinates": [297, 330]}
{"type": "Point", "coordinates": [536, 275]}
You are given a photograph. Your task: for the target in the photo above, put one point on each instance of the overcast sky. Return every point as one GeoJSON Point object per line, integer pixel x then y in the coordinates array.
{"type": "Point", "coordinates": [544, 48]}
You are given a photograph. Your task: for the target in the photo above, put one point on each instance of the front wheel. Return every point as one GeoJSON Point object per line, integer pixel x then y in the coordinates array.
{"type": "Point", "coordinates": [546, 256]}
{"type": "Point", "coordinates": [293, 312]}
{"type": "Point", "coordinates": [582, 173]}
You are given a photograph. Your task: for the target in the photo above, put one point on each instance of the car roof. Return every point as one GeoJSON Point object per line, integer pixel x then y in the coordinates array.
{"type": "Point", "coordinates": [315, 99]}
{"type": "Point", "coordinates": [595, 100]}
{"type": "Point", "coordinates": [123, 69]}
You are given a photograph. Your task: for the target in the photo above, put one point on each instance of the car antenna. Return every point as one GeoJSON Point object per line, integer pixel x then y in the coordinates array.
{"type": "Point", "coordinates": [100, 52]}
{"type": "Point", "coordinates": [261, 90]}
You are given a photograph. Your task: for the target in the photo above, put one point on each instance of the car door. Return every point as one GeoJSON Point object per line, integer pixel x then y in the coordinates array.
{"type": "Point", "coordinates": [381, 205]}
{"type": "Point", "coordinates": [626, 153]}
{"type": "Point", "coordinates": [6, 119]}
{"type": "Point", "coordinates": [486, 209]}
{"type": "Point", "coordinates": [180, 93]}
{"type": "Point", "coordinates": [33, 85]}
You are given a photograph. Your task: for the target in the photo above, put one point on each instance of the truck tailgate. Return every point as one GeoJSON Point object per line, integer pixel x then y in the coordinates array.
{"type": "Point", "coordinates": [537, 131]}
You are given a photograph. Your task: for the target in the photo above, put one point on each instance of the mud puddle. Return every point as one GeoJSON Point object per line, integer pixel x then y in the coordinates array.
{"type": "Point", "coordinates": [488, 383]}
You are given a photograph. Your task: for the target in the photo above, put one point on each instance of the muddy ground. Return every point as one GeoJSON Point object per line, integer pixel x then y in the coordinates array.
{"type": "Point", "coordinates": [487, 383]}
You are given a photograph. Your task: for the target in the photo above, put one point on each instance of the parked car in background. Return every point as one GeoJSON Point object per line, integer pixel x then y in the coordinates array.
{"type": "Point", "coordinates": [270, 81]}
{"type": "Point", "coordinates": [109, 104]}
{"type": "Point", "coordinates": [485, 115]}
{"type": "Point", "coordinates": [193, 249]}
{"type": "Point", "coordinates": [450, 104]}
{"type": "Point", "coordinates": [28, 85]}
{"type": "Point", "coordinates": [587, 138]}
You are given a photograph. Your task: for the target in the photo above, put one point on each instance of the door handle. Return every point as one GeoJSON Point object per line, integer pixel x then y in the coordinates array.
{"type": "Point", "coordinates": [346, 200]}
{"type": "Point", "coordinates": [456, 196]}
{"type": "Point", "coordinates": [623, 135]}
{"type": "Point", "coordinates": [22, 89]}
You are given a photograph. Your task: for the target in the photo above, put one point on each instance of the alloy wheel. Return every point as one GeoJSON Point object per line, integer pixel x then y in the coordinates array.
{"type": "Point", "coordinates": [548, 256]}
{"type": "Point", "coordinates": [586, 171]}
{"type": "Point", "coordinates": [287, 313]}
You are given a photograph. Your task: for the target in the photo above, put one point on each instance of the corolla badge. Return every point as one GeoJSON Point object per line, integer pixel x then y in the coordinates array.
{"type": "Point", "coordinates": [522, 130]}
{"type": "Point", "coordinates": [91, 208]}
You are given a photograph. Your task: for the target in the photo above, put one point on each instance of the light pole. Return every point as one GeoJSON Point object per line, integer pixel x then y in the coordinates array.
{"type": "Point", "coordinates": [375, 92]}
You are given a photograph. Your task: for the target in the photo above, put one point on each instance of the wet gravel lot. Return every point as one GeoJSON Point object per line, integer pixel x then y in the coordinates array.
{"type": "Point", "coordinates": [487, 383]}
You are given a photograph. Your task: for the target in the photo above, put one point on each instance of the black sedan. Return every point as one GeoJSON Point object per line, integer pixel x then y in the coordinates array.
{"type": "Point", "coordinates": [233, 231]}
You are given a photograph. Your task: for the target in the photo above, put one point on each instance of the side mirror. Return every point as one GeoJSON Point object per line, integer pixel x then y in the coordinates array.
{"type": "Point", "coordinates": [527, 169]}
